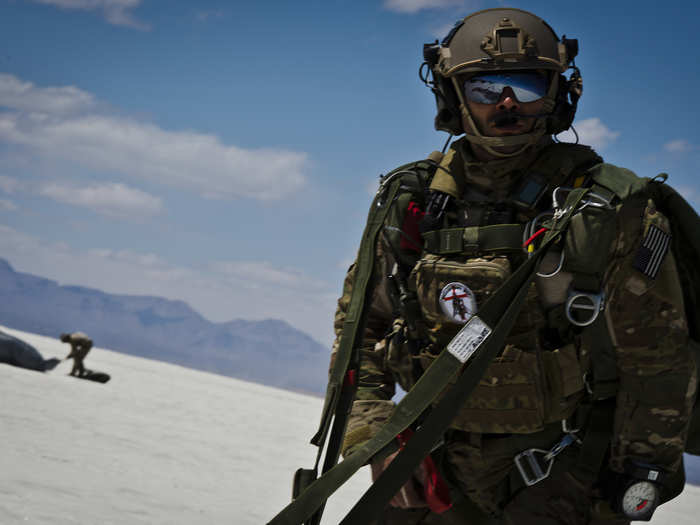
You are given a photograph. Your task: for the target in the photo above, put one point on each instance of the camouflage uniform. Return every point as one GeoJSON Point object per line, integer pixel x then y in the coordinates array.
{"type": "Point", "coordinates": [80, 346]}
{"type": "Point", "coordinates": [538, 379]}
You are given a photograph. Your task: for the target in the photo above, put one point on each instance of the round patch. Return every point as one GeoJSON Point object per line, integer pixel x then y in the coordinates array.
{"type": "Point", "coordinates": [457, 302]}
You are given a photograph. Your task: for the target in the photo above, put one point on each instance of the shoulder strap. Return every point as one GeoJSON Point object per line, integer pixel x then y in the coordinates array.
{"type": "Point", "coordinates": [379, 210]}
{"type": "Point", "coordinates": [341, 387]}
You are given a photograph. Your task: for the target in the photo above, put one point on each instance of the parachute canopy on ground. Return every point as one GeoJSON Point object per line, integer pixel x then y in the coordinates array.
{"type": "Point", "coordinates": [16, 352]}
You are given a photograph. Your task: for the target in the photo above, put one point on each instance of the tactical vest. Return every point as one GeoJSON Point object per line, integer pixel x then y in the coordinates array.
{"type": "Point", "coordinates": [534, 382]}
{"type": "Point", "coordinates": [527, 386]}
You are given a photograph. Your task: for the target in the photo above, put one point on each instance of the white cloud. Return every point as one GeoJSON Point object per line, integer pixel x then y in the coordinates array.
{"type": "Point", "coordinates": [112, 199]}
{"type": "Point", "coordinates": [116, 12]}
{"type": "Point", "coordinates": [591, 132]}
{"type": "Point", "coordinates": [65, 124]}
{"type": "Point", "coordinates": [678, 146]}
{"type": "Point", "coordinates": [6, 205]}
{"type": "Point", "coordinates": [25, 96]}
{"type": "Point", "coordinates": [261, 274]}
{"type": "Point", "coordinates": [413, 6]}
{"type": "Point", "coordinates": [221, 291]}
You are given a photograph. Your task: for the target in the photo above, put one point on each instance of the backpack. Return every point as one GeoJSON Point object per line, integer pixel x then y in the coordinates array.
{"type": "Point", "coordinates": [685, 245]}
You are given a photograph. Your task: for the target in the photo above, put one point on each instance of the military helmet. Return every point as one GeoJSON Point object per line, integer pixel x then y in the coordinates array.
{"type": "Point", "coordinates": [494, 40]}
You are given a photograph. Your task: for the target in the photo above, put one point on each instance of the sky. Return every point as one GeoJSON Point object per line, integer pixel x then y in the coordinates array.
{"type": "Point", "coordinates": [226, 153]}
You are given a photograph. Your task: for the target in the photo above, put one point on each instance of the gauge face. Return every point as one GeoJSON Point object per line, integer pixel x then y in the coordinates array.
{"type": "Point", "coordinates": [640, 500]}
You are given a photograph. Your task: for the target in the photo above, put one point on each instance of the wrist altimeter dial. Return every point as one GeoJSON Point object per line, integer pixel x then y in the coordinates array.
{"type": "Point", "coordinates": [639, 499]}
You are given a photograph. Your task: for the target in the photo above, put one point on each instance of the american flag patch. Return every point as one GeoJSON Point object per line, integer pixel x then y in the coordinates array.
{"type": "Point", "coordinates": [651, 253]}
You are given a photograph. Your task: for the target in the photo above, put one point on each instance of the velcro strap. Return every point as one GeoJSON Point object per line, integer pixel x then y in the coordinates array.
{"type": "Point", "coordinates": [474, 240]}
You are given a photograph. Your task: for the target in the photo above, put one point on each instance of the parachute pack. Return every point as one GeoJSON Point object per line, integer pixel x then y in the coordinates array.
{"type": "Point", "coordinates": [685, 245]}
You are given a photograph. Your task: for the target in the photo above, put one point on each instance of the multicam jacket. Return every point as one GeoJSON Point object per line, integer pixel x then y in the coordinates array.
{"type": "Point", "coordinates": [540, 377]}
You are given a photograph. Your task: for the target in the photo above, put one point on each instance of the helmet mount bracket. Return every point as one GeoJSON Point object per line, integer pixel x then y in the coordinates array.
{"type": "Point", "coordinates": [508, 42]}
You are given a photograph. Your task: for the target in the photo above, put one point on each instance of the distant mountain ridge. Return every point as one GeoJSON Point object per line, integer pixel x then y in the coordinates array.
{"type": "Point", "coordinates": [270, 352]}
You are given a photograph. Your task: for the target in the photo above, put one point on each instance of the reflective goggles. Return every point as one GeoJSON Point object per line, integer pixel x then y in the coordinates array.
{"type": "Point", "coordinates": [487, 89]}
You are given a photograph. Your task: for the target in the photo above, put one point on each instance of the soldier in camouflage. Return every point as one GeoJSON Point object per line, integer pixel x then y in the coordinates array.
{"type": "Point", "coordinates": [499, 78]}
{"type": "Point", "coordinates": [80, 345]}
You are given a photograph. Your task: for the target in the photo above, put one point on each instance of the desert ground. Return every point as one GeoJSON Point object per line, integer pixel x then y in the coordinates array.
{"type": "Point", "coordinates": [163, 444]}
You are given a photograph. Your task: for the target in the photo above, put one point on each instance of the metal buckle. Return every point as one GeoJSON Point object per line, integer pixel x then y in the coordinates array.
{"type": "Point", "coordinates": [555, 196]}
{"type": "Point", "coordinates": [591, 303]}
{"type": "Point", "coordinates": [530, 468]}
{"type": "Point", "coordinates": [555, 272]}
{"type": "Point", "coordinates": [596, 200]}
{"type": "Point", "coordinates": [528, 461]}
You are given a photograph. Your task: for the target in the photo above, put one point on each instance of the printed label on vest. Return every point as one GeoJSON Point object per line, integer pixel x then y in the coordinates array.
{"type": "Point", "coordinates": [469, 339]}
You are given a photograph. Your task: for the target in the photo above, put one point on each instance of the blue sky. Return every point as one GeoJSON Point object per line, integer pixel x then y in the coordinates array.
{"type": "Point", "coordinates": [225, 153]}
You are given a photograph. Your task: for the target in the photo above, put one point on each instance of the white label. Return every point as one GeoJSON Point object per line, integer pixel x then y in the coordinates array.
{"type": "Point", "coordinates": [653, 475]}
{"type": "Point", "coordinates": [469, 338]}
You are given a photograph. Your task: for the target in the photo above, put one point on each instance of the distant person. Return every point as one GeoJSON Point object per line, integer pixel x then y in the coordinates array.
{"type": "Point", "coordinates": [80, 346]}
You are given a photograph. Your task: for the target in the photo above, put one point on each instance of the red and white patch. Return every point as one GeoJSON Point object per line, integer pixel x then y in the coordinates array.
{"type": "Point", "coordinates": [458, 302]}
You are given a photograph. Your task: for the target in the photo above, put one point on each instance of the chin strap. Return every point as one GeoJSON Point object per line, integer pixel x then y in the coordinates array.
{"type": "Point", "coordinates": [524, 140]}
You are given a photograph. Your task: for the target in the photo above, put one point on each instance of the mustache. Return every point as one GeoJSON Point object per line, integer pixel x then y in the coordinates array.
{"type": "Point", "coordinates": [508, 118]}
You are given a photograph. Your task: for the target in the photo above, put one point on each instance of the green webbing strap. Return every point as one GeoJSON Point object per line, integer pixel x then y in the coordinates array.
{"type": "Point", "coordinates": [338, 401]}
{"type": "Point", "coordinates": [364, 265]}
{"type": "Point", "coordinates": [596, 441]}
{"type": "Point", "coordinates": [500, 310]}
{"type": "Point", "coordinates": [598, 339]}
{"type": "Point", "coordinates": [496, 238]}
{"type": "Point", "coordinates": [600, 422]}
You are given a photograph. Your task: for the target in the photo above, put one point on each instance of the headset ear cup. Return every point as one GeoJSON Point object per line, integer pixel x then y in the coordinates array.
{"type": "Point", "coordinates": [568, 93]}
{"type": "Point", "coordinates": [448, 117]}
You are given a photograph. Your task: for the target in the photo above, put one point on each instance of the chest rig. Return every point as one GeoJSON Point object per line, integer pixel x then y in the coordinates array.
{"type": "Point", "coordinates": [472, 242]}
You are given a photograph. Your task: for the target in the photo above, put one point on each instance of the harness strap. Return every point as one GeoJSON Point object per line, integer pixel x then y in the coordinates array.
{"type": "Point", "coordinates": [601, 412]}
{"type": "Point", "coordinates": [365, 265]}
{"type": "Point", "coordinates": [340, 393]}
{"type": "Point", "coordinates": [496, 238]}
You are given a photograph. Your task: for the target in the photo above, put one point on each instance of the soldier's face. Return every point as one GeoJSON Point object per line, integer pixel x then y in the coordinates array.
{"type": "Point", "coordinates": [508, 116]}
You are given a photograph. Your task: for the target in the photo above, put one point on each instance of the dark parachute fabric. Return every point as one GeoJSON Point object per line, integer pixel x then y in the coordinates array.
{"type": "Point", "coordinates": [92, 375]}
{"type": "Point", "coordinates": [16, 352]}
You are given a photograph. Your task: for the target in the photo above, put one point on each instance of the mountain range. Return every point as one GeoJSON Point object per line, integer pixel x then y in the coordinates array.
{"type": "Point", "coordinates": [269, 351]}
